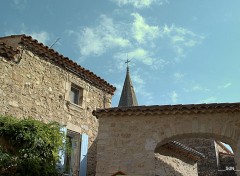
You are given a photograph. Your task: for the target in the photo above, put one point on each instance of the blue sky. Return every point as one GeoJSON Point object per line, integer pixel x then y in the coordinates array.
{"type": "Point", "coordinates": [181, 52]}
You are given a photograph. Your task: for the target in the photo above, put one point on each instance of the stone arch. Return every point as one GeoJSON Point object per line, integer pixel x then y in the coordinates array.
{"type": "Point", "coordinates": [133, 133]}
{"type": "Point", "coordinates": [217, 126]}
{"type": "Point", "coordinates": [210, 163]}
{"type": "Point", "coordinates": [221, 138]}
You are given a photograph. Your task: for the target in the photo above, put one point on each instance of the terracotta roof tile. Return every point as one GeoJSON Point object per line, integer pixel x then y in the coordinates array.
{"type": "Point", "coordinates": [169, 109]}
{"type": "Point", "coordinates": [9, 47]}
{"type": "Point", "coordinates": [7, 51]}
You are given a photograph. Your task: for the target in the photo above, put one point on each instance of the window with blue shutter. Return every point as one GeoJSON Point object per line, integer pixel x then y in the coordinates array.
{"type": "Point", "coordinates": [69, 162]}
{"type": "Point", "coordinates": [72, 155]}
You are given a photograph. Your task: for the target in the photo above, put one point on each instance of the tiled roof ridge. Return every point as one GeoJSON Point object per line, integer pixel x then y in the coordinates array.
{"type": "Point", "coordinates": [7, 51]}
{"type": "Point", "coordinates": [170, 109]}
{"type": "Point", "coordinates": [6, 46]}
{"type": "Point", "coordinates": [189, 149]}
{"type": "Point", "coordinates": [65, 62]}
{"type": "Point", "coordinates": [184, 150]}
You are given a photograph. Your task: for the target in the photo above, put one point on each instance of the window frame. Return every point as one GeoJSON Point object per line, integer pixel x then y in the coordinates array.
{"type": "Point", "coordinates": [74, 139]}
{"type": "Point", "coordinates": [76, 90]}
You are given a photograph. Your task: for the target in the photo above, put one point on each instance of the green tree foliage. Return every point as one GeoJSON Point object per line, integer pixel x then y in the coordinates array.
{"type": "Point", "coordinates": [29, 147]}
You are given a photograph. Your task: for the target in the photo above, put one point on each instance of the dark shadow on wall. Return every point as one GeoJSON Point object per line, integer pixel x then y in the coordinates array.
{"type": "Point", "coordinates": [206, 166]}
{"type": "Point", "coordinates": [92, 159]}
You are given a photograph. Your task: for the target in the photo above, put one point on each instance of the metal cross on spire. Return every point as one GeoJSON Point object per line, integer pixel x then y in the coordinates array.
{"type": "Point", "coordinates": [127, 62]}
{"type": "Point", "coordinates": [128, 97]}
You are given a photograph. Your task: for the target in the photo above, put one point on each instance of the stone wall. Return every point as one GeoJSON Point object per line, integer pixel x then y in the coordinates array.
{"type": "Point", "coordinates": [170, 165]}
{"type": "Point", "coordinates": [36, 88]}
{"type": "Point", "coordinates": [208, 165]}
{"type": "Point", "coordinates": [226, 165]}
{"type": "Point", "coordinates": [128, 137]}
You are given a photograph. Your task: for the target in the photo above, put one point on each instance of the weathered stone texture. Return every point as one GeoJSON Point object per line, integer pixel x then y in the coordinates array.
{"type": "Point", "coordinates": [208, 165]}
{"type": "Point", "coordinates": [127, 142]}
{"type": "Point", "coordinates": [36, 88]}
{"type": "Point", "coordinates": [171, 166]}
{"type": "Point", "coordinates": [226, 165]}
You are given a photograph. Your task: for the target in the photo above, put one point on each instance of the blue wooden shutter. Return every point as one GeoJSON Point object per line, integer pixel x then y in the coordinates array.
{"type": "Point", "coordinates": [83, 155]}
{"type": "Point", "coordinates": [62, 152]}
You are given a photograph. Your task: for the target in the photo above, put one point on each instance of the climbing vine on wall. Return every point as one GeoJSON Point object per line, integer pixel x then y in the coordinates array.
{"type": "Point", "coordinates": [29, 147]}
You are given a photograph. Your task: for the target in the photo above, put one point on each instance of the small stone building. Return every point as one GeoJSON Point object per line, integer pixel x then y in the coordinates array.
{"type": "Point", "coordinates": [129, 138]}
{"type": "Point", "coordinates": [38, 82]}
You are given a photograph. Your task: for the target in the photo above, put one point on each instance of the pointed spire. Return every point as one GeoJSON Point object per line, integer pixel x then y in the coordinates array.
{"type": "Point", "coordinates": [128, 97]}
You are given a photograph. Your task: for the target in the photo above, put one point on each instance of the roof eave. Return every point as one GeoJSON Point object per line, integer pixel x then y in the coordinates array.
{"type": "Point", "coordinates": [62, 61]}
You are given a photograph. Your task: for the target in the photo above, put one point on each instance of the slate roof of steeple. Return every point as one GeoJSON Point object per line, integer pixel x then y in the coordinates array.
{"type": "Point", "coordinates": [128, 97]}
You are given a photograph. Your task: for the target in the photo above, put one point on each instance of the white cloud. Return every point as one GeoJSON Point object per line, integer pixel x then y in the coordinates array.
{"type": "Point", "coordinates": [159, 63]}
{"type": "Point", "coordinates": [140, 3]}
{"type": "Point", "coordinates": [225, 86]}
{"type": "Point", "coordinates": [209, 100]}
{"type": "Point", "coordinates": [196, 88]}
{"type": "Point", "coordinates": [137, 79]}
{"type": "Point", "coordinates": [199, 88]}
{"type": "Point", "coordinates": [180, 38]}
{"type": "Point", "coordinates": [20, 4]}
{"type": "Point", "coordinates": [140, 55]}
{"type": "Point", "coordinates": [96, 40]}
{"type": "Point", "coordinates": [190, 43]}
{"type": "Point", "coordinates": [40, 36]}
{"type": "Point", "coordinates": [177, 38]}
{"type": "Point", "coordinates": [91, 43]}
{"type": "Point", "coordinates": [178, 76]}
{"type": "Point", "coordinates": [142, 31]}
{"type": "Point", "coordinates": [174, 97]}
{"type": "Point", "coordinates": [137, 39]}
{"type": "Point", "coordinates": [118, 41]}
{"type": "Point", "coordinates": [147, 58]}
{"type": "Point", "coordinates": [140, 89]}
{"type": "Point", "coordinates": [179, 50]}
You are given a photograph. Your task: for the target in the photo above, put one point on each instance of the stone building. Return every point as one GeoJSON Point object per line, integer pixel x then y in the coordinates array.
{"type": "Point", "coordinates": [129, 136]}
{"type": "Point", "coordinates": [172, 158]}
{"type": "Point", "coordinates": [164, 140]}
{"type": "Point", "coordinates": [38, 82]}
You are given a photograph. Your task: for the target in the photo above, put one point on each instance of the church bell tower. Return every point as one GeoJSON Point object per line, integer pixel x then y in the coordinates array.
{"type": "Point", "coordinates": [128, 97]}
